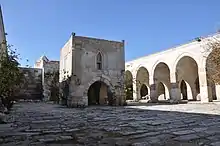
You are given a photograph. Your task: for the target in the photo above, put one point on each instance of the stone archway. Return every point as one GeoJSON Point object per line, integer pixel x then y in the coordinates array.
{"type": "Point", "coordinates": [105, 85]}
{"type": "Point", "coordinates": [187, 70]}
{"type": "Point", "coordinates": [142, 78]}
{"type": "Point", "coordinates": [98, 94]}
{"type": "Point", "coordinates": [128, 85]}
{"type": "Point", "coordinates": [161, 78]}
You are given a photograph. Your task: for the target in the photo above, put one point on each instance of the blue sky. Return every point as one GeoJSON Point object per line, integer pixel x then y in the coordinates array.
{"type": "Point", "coordinates": [38, 27]}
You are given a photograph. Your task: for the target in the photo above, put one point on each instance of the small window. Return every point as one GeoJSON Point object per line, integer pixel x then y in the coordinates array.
{"type": "Point", "coordinates": [99, 61]}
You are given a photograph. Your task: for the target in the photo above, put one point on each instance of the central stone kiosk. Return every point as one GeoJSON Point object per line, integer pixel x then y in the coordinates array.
{"type": "Point", "coordinates": [93, 70]}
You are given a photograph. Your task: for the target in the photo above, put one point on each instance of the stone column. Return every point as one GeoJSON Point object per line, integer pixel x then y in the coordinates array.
{"type": "Point", "coordinates": [135, 97]}
{"type": "Point", "coordinates": [175, 94]}
{"type": "Point", "coordinates": [138, 90]}
{"type": "Point", "coordinates": [203, 86]}
{"type": "Point", "coordinates": [153, 92]}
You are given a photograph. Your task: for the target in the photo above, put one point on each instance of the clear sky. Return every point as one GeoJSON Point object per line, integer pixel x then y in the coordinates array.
{"type": "Point", "coordinates": [38, 27]}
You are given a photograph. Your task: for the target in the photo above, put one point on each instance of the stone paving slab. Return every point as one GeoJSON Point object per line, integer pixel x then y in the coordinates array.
{"type": "Point", "coordinates": [169, 125]}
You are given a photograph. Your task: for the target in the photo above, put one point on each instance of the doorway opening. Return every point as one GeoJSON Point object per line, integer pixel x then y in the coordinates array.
{"type": "Point", "coordinates": [183, 89]}
{"type": "Point", "coordinates": [162, 91]}
{"type": "Point", "coordinates": [143, 91]}
{"type": "Point", "coordinates": [98, 94]}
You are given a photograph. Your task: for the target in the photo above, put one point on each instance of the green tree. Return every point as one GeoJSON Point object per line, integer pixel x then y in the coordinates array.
{"type": "Point", "coordinates": [212, 52]}
{"type": "Point", "coordinates": [10, 76]}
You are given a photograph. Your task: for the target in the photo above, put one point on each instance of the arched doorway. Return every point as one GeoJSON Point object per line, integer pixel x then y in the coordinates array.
{"type": "Point", "coordinates": [162, 81]}
{"type": "Point", "coordinates": [144, 91]}
{"type": "Point", "coordinates": [187, 70]}
{"type": "Point", "coordinates": [98, 94]}
{"type": "Point", "coordinates": [128, 85]}
{"type": "Point", "coordinates": [142, 78]}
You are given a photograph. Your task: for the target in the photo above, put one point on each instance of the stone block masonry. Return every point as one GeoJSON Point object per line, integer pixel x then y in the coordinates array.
{"type": "Point", "coordinates": [32, 87]}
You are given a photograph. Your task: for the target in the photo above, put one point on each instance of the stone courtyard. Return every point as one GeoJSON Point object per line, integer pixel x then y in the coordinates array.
{"type": "Point", "coordinates": [37, 123]}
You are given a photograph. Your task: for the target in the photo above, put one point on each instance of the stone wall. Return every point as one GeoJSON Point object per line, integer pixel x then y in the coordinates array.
{"type": "Point", "coordinates": [50, 70]}
{"type": "Point", "coordinates": [32, 87]}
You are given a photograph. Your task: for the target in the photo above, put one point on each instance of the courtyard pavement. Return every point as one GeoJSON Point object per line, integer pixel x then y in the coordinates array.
{"type": "Point", "coordinates": [150, 124]}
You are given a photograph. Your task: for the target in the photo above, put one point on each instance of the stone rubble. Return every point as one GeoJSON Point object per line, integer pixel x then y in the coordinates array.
{"type": "Point", "coordinates": [37, 123]}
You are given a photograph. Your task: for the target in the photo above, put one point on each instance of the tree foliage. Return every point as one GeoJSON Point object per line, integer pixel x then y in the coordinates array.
{"type": "Point", "coordinates": [10, 76]}
{"type": "Point", "coordinates": [212, 50]}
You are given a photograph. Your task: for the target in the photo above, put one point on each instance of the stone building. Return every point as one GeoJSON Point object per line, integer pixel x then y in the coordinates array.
{"type": "Point", "coordinates": [48, 67]}
{"type": "Point", "coordinates": [95, 68]}
{"type": "Point", "coordinates": [179, 73]}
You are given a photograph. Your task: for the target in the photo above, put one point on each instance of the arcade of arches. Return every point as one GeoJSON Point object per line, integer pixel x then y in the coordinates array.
{"type": "Point", "coordinates": [158, 85]}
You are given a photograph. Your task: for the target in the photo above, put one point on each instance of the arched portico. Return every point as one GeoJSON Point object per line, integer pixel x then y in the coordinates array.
{"type": "Point", "coordinates": [161, 78]}
{"type": "Point", "coordinates": [187, 72]}
{"type": "Point", "coordinates": [142, 81]}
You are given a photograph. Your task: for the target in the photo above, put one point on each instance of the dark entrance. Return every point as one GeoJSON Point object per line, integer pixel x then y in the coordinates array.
{"type": "Point", "coordinates": [129, 92]}
{"type": "Point", "coordinates": [161, 92]}
{"type": "Point", "coordinates": [183, 88]}
{"type": "Point", "coordinates": [98, 94]}
{"type": "Point", "coordinates": [144, 91]}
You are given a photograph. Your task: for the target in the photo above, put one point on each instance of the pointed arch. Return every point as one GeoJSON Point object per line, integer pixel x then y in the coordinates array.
{"type": "Point", "coordinates": [161, 78]}
{"type": "Point", "coordinates": [142, 78]}
{"type": "Point", "coordinates": [187, 69]}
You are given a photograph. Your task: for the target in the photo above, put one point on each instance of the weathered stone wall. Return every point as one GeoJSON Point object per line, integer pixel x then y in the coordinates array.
{"type": "Point", "coordinates": [50, 69]}
{"type": "Point", "coordinates": [32, 87]}
{"type": "Point", "coordinates": [84, 70]}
